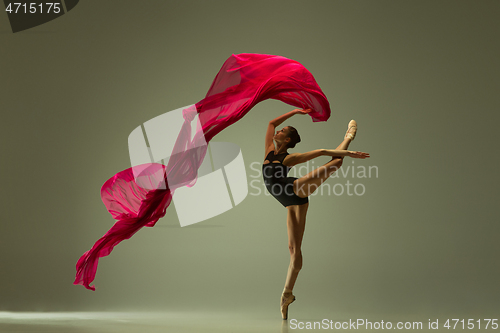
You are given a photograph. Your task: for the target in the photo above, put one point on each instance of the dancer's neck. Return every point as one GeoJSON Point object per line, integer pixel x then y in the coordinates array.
{"type": "Point", "coordinates": [281, 149]}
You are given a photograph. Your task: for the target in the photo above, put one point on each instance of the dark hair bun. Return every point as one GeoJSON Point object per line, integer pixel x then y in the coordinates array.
{"type": "Point", "coordinates": [294, 137]}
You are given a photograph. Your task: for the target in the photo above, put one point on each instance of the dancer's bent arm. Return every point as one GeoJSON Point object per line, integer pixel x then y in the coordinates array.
{"type": "Point", "coordinates": [276, 122]}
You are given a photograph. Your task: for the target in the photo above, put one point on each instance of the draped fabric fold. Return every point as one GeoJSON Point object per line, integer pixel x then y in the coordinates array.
{"type": "Point", "coordinates": [139, 196]}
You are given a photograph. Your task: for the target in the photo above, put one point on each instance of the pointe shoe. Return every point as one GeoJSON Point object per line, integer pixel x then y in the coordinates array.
{"type": "Point", "coordinates": [285, 302]}
{"type": "Point", "coordinates": [351, 130]}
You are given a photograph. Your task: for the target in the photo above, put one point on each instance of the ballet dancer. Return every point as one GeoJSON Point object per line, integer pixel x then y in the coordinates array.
{"type": "Point", "coordinates": [293, 192]}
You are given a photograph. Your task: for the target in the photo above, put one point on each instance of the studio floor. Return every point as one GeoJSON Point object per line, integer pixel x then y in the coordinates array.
{"type": "Point", "coordinates": [140, 322]}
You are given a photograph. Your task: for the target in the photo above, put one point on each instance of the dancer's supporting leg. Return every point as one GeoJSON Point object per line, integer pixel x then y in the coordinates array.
{"type": "Point", "coordinates": [306, 185]}
{"type": "Point", "coordinates": [296, 219]}
{"type": "Point", "coordinates": [296, 223]}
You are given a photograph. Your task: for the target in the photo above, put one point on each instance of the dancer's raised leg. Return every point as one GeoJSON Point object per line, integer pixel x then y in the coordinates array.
{"type": "Point", "coordinates": [306, 185]}
{"type": "Point", "coordinates": [296, 223]}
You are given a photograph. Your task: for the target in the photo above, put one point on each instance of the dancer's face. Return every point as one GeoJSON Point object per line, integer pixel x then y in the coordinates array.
{"type": "Point", "coordinates": [282, 135]}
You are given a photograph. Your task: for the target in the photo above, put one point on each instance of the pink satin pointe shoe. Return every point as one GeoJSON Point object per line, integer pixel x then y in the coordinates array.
{"type": "Point", "coordinates": [285, 302]}
{"type": "Point", "coordinates": [351, 130]}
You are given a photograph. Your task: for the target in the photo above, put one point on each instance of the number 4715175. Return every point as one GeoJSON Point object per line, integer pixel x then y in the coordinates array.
{"type": "Point", "coordinates": [20, 7]}
{"type": "Point", "coordinates": [452, 323]}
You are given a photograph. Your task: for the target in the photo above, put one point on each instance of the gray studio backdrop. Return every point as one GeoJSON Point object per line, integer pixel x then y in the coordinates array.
{"type": "Point", "coordinates": [420, 77]}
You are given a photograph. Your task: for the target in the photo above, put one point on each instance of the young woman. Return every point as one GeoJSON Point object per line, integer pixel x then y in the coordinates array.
{"type": "Point", "coordinates": [292, 192]}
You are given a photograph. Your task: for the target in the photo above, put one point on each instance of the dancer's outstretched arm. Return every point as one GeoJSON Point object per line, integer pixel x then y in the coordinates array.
{"type": "Point", "coordinates": [297, 158]}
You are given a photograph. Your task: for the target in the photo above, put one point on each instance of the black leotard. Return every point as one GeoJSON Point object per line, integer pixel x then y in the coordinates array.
{"type": "Point", "coordinates": [277, 183]}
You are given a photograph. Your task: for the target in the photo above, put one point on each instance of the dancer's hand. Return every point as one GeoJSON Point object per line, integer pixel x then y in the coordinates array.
{"type": "Point", "coordinates": [357, 154]}
{"type": "Point", "coordinates": [302, 111]}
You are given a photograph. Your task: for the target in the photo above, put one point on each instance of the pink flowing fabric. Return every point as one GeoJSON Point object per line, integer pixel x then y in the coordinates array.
{"type": "Point", "coordinates": [138, 199]}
